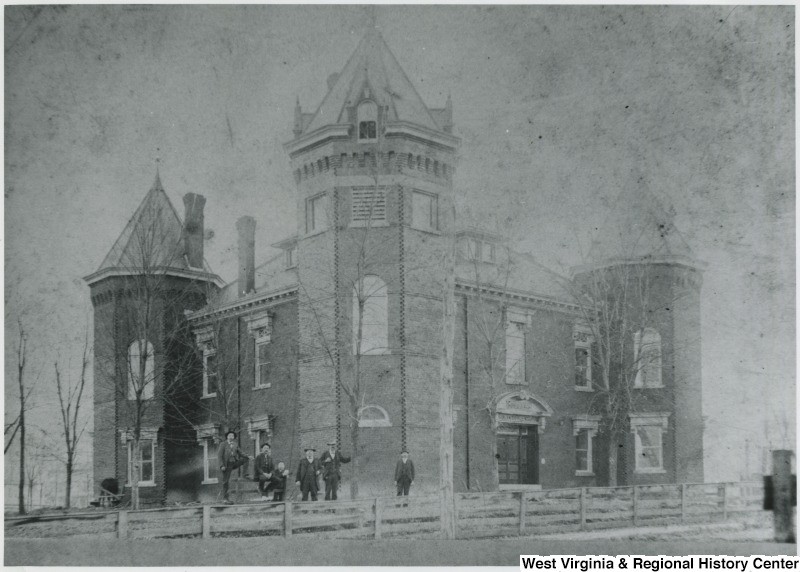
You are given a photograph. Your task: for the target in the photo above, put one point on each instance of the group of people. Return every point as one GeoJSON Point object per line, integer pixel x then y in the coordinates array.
{"type": "Point", "coordinates": [273, 478]}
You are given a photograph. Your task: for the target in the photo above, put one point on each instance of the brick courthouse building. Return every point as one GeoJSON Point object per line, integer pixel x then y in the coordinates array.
{"type": "Point", "coordinates": [273, 353]}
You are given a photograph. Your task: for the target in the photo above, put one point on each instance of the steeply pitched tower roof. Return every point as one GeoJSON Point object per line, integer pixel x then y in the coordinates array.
{"type": "Point", "coordinates": [373, 67]}
{"type": "Point", "coordinates": [152, 238]}
{"type": "Point", "coordinates": [639, 228]}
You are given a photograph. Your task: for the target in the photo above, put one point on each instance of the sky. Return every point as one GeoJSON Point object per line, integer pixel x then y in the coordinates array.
{"type": "Point", "coordinates": [559, 110]}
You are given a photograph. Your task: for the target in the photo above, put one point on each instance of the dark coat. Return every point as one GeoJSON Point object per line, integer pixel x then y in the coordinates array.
{"type": "Point", "coordinates": [330, 467]}
{"type": "Point", "coordinates": [229, 454]}
{"type": "Point", "coordinates": [404, 471]}
{"type": "Point", "coordinates": [307, 472]}
{"type": "Point", "coordinates": [264, 466]}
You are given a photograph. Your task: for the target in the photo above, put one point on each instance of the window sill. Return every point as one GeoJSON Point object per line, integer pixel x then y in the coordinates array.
{"type": "Point", "coordinates": [368, 224]}
{"type": "Point", "coordinates": [210, 482]}
{"type": "Point", "coordinates": [257, 387]}
{"type": "Point", "coordinates": [649, 386]}
{"type": "Point", "coordinates": [208, 396]}
{"type": "Point", "coordinates": [650, 471]}
{"type": "Point", "coordinates": [375, 353]}
{"type": "Point", "coordinates": [520, 487]}
{"type": "Point", "coordinates": [584, 473]}
{"type": "Point", "coordinates": [584, 389]}
{"type": "Point", "coordinates": [144, 484]}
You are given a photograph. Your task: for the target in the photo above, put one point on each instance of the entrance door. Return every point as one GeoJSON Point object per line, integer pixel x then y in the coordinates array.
{"type": "Point", "coordinates": [518, 449]}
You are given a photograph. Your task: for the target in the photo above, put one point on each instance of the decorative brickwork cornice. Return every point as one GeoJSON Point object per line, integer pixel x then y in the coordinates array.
{"type": "Point", "coordinates": [507, 295]}
{"type": "Point", "coordinates": [245, 306]}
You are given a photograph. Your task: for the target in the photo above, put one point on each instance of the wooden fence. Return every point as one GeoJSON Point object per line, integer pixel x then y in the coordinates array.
{"type": "Point", "coordinates": [479, 515]}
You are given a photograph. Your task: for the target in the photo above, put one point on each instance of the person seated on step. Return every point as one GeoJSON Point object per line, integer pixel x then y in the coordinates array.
{"type": "Point", "coordinates": [279, 478]}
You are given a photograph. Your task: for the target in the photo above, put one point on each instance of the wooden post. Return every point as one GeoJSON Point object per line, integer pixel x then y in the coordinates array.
{"type": "Point", "coordinates": [583, 508]}
{"type": "Point", "coordinates": [378, 515]}
{"type": "Point", "coordinates": [635, 505]}
{"type": "Point", "coordinates": [523, 510]}
{"type": "Point", "coordinates": [683, 503]}
{"type": "Point", "coordinates": [122, 524]}
{"type": "Point", "coordinates": [206, 521]}
{"type": "Point", "coordinates": [723, 488]}
{"type": "Point", "coordinates": [782, 499]}
{"type": "Point", "coordinates": [287, 519]}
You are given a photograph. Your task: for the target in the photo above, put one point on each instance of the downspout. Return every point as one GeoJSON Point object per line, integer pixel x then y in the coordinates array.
{"type": "Point", "coordinates": [466, 378]}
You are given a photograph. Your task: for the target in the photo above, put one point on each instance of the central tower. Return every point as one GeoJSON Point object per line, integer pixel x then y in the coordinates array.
{"type": "Point", "coordinates": [373, 167]}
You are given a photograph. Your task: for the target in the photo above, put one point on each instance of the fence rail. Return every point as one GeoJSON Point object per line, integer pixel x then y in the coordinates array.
{"type": "Point", "coordinates": [477, 514]}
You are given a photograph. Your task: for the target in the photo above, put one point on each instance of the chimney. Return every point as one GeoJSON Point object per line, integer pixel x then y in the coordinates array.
{"type": "Point", "coordinates": [193, 229]}
{"type": "Point", "coordinates": [246, 226]}
{"type": "Point", "coordinates": [298, 118]}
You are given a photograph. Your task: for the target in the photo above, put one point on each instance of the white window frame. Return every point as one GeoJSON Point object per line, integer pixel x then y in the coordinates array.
{"type": "Point", "coordinates": [291, 257]}
{"type": "Point", "coordinates": [589, 424]}
{"type": "Point", "coordinates": [257, 425]}
{"type": "Point", "coordinates": [583, 339]}
{"type": "Point", "coordinates": [646, 342]}
{"type": "Point", "coordinates": [376, 303]}
{"type": "Point", "coordinates": [257, 381]}
{"type": "Point", "coordinates": [208, 458]}
{"type": "Point", "coordinates": [205, 338]}
{"type": "Point", "coordinates": [209, 353]}
{"type": "Point", "coordinates": [384, 422]}
{"type": "Point", "coordinates": [317, 213]}
{"type": "Point", "coordinates": [149, 370]}
{"type": "Point", "coordinates": [153, 440]}
{"type": "Point", "coordinates": [658, 422]}
{"type": "Point", "coordinates": [428, 221]}
{"type": "Point", "coordinates": [517, 327]}
{"type": "Point", "coordinates": [259, 327]}
{"type": "Point", "coordinates": [208, 435]}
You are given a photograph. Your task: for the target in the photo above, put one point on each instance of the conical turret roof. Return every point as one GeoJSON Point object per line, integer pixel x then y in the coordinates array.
{"type": "Point", "coordinates": [372, 72]}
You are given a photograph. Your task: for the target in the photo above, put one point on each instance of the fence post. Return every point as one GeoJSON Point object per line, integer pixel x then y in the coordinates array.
{"type": "Point", "coordinates": [635, 505]}
{"type": "Point", "coordinates": [378, 516]}
{"type": "Point", "coordinates": [523, 510]}
{"type": "Point", "coordinates": [583, 508]}
{"type": "Point", "coordinates": [724, 492]}
{"type": "Point", "coordinates": [122, 524]}
{"type": "Point", "coordinates": [206, 521]}
{"type": "Point", "coordinates": [287, 519]}
{"type": "Point", "coordinates": [683, 503]}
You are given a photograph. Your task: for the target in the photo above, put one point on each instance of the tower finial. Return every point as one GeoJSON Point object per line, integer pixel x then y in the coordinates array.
{"type": "Point", "coordinates": [157, 182]}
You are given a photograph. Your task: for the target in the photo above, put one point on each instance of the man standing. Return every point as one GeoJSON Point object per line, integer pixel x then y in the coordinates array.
{"type": "Point", "coordinates": [230, 458]}
{"type": "Point", "coordinates": [403, 474]}
{"type": "Point", "coordinates": [330, 460]}
{"type": "Point", "coordinates": [307, 472]}
{"type": "Point", "coordinates": [264, 467]}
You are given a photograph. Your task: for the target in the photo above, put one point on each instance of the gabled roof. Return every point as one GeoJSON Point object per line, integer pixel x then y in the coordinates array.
{"type": "Point", "coordinates": [372, 67]}
{"type": "Point", "coordinates": [639, 228]}
{"type": "Point", "coordinates": [152, 238]}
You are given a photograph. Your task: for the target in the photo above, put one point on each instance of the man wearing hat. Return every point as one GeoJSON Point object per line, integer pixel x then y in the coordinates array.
{"type": "Point", "coordinates": [307, 472]}
{"type": "Point", "coordinates": [230, 457]}
{"type": "Point", "coordinates": [330, 460]}
{"type": "Point", "coordinates": [403, 474]}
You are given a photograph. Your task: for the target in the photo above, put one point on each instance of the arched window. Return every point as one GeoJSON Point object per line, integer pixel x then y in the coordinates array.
{"type": "Point", "coordinates": [373, 416]}
{"type": "Point", "coordinates": [367, 121]}
{"type": "Point", "coordinates": [370, 327]}
{"type": "Point", "coordinates": [647, 358]}
{"type": "Point", "coordinates": [141, 361]}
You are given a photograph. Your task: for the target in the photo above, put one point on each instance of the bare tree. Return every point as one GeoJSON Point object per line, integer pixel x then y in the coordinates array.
{"type": "Point", "coordinates": [19, 423]}
{"type": "Point", "coordinates": [70, 397]}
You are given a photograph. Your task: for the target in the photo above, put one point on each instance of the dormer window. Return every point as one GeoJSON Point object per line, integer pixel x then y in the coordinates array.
{"type": "Point", "coordinates": [367, 121]}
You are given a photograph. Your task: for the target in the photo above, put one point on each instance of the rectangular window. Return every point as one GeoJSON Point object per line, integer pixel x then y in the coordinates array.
{"type": "Point", "coordinates": [146, 462]}
{"type": "Point", "coordinates": [368, 206]}
{"type": "Point", "coordinates": [316, 213]}
{"type": "Point", "coordinates": [291, 257]}
{"type": "Point", "coordinates": [515, 353]}
{"type": "Point", "coordinates": [210, 468]}
{"type": "Point", "coordinates": [424, 211]}
{"type": "Point", "coordinates": [583, 452]}
{"type": "Point", "coordinates": [487, 252]}
{"type": "Point", "coordinates": [262, 364]}
{"type": "Point", "coordinates": [647, 359]}
{"type": "Point", "coordinates": [209, 373]}
{"type": "Point", "coordinates": [649, 452]}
